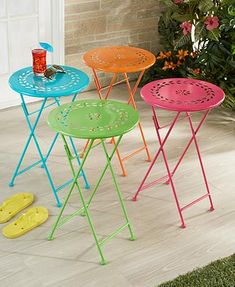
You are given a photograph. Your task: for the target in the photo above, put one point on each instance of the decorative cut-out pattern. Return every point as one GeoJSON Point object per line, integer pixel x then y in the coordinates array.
{"type": "Point", "coordinates": [69, 83]}
{"type": "Point", "coordinates": [172, 91]}
{"type": "Point", "coordinates": [120, 117]}
{"type": "Point", "coordinates": [119, 59]}
{"type": "Point", "coordinates": [182, 92]}
{"type": "Point", "coordinates": [27, 80]}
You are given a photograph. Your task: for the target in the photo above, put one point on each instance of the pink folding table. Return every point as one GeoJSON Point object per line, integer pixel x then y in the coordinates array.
{"type": "Point", "coordinates": [183, 96]}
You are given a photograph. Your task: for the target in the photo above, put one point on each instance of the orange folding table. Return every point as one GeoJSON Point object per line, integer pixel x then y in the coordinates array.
{"type": "Point", "coordinates": [120, 60]}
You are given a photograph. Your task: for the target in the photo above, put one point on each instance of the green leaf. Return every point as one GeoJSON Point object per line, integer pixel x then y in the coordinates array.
{"type": "Point", "coordinates": [214, 34]}
{"type": "Point", "coordinates": [181, 17]}
{"type": "Point", "coordinates": [231, 10]}
{"type": "Point", "coordinates": [232, 64]}
{"type": "Point", "coordinates": [233, 49]}
{"type": "Point", "coordinates": [227, 2]}
{"type": "Point", "coordinates": [199, 31]}
{"type": "Point", "coordinates": [205, 5]}
{"type": "Point", "coordinates": [193, 4]}
{"type": "Point", "coordinates": [168, 3]}
{"type": "Point", "coordinates": [181, 41]}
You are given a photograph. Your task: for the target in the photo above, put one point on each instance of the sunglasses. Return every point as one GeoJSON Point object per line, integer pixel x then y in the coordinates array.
{"type": "Point", "coordinates": [52, 71]}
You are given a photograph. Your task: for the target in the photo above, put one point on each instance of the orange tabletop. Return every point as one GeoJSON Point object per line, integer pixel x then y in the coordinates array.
{"type": "Point", "coordinates": [119, 59]}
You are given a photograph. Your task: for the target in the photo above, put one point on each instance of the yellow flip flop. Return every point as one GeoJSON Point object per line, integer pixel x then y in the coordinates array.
{"type": "Point", "coordinates": [32, 218]}
{"type": "Point", "coordinates": [14, 204]}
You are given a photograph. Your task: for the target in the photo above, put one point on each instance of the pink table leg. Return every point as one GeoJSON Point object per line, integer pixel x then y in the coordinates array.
{"type": "Point", "coordinates": [168, 178]}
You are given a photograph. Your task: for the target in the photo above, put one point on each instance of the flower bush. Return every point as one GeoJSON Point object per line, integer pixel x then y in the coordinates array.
{"type": "Point", "coordinates": [198, 40]}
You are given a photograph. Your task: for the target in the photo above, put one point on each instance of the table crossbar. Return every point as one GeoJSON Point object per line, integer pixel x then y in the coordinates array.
{"type": "Point", "coordinates": [131, 101]}
{"type": "Point", "coordinates": [168, 179]}
{"type": "Point", "coordinates": [43, 159]}
{"type": "Point", "coordinates": [84, 210]}
{"type": "Point", "coordinates": [36, 111]}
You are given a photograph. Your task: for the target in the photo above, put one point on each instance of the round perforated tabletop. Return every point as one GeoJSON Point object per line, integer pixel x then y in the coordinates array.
{"type": "Point", "coordinates": [63, 84]}
{"type": "Point", "coordinates": [119, 59]}
{"type": "Point", "coordinates": [93, 119]}
{"type": "Point", "coordinates": [182, 94]}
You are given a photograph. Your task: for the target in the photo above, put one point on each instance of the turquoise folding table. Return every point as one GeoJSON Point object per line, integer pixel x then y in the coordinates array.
{"type": "Point", "coordinates": [27, 84]}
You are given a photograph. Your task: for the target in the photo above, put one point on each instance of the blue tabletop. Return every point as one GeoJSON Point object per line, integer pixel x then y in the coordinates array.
{"type": "Point", "coordinates": [63, 84]}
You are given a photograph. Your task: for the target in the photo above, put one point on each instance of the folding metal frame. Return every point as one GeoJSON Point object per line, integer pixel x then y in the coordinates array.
{"type": "Point", "coordinates": [43, 159]}
{"type": "Point", "coordinates": [168, 179]}
{"type": "Point", "coordinates": [84, 210]}
{"type": "Point", "coordinates": [131, 101]}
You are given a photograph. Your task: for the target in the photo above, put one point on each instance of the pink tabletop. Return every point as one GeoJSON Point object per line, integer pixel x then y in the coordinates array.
{"type": "Point", "coordinates": [182, 94]}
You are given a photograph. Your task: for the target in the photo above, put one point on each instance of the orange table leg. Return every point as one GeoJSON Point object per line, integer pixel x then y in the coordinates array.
{"type": "Point", "coordinates": [84, 149]}
{"type": "Point", "coordinates": [131, 100]}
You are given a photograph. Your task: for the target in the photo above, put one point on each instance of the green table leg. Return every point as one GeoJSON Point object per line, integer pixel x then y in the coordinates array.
{"type": "Point", "coordinates": [51, 236]}
{"type": "Point", "coordinates": [118, 191]}
{"type": "Point", "coordinates": [85, 205]}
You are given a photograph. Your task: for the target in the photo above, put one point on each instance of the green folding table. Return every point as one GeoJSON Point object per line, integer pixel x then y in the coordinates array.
{"type": "Point", "coordinates": [92, 119]}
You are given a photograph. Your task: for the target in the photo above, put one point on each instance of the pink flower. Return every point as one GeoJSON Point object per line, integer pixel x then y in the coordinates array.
{"type": "Point", "coordinates": [211, 23]}
{"type": "Point", "coordinates": [186, 26]}
{"type": "Point", "coordinates": [178, 1]}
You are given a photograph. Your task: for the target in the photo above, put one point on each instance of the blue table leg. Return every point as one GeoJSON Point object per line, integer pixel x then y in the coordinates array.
{"type": "Point", "coordinates": [57, 101]}
{"type": "Point", "coordinates": [32, 135]}
{"type": "Point", "coordinates": [29, 138]}
{"type": "Point", "coordinates": [43, 159]}
{"type": "Point", "coordinates": [51, 147]}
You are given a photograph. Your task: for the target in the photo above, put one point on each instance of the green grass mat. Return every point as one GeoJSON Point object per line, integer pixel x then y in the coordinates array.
{"type": "Point", "coordinates": [220, 273]}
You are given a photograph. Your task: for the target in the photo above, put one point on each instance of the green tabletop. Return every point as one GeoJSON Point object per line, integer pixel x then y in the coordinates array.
{"type": "Point", "coordinates": [93, 119]}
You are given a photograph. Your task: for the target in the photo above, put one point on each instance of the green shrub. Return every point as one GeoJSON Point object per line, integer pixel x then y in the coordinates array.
{"type": "Point", "coordinates": [204, 31]}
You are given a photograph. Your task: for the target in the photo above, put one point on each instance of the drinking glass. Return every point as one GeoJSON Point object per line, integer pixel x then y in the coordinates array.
{"type": "Point", "coordinates": [39, 61]}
